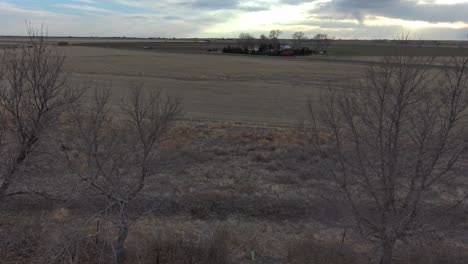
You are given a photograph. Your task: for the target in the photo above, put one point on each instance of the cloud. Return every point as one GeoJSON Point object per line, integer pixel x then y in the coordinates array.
{"type": "Point", "coordinates": [241, 5]}
{"type": "Point", "coordinates": [411, 10]}
{"type": "Point", "coordinates": [172, 18]}
{"type": "Point", "coordinates": [227, 18]}
{"type": "Point", "coordinates": [132, 3]}
{"type": "Point", "coordinates": [86, 8]}
{"type": "Point", "coordinates": [208, 4]}
{"type": "Point", "coordinates": [85, 1]}
{"type": "Point", "coordinates": [136, 17]}
{"type": "Point", "coordinates": [11, 8]}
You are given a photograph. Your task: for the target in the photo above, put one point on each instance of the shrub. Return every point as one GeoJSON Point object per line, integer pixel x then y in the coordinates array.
{"type": "Point", "coordinates": [218, 205]}
{"type": "Point", "coordinates": [178, 250]}
{"type": "Point", "coordinates": [19, 243]}
{"type": "Point", "coordinates": [235, 50]}
{"type": "Point", "coordinates": [431, 252]}
{"type": "Point", "coordinates": [312, 251]}
{"type": "Point", "coordinates": [260, 157]}
{"type": "Point", "coordinates": [82, 249]}
{"type": "Point", "coordinates": [204, 205]}
{"type": "Point", "coordinates": [78, 243]}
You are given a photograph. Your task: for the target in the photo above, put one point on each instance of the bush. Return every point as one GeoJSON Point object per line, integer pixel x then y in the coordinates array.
{"type": "Point", "coordinates": [431, 253]}
{"type": "Point", "coordinates": [19, 244]}
{"type": "Point", "coordinates": [177, 250]}
{"type": "Point", "coordinates": [235, 50]}
{"type": "Point", "coordinates": [30, 242]}
{"type": "Point", "coordinates": [269, 51]}
{"type": "Point", "coordinates": [304, 52]}
{"type": "Point", "coordinates": [80, 248]}
{"type": "Point", "coordinates": [62, 43]}
{"type": "Point", "coordinates": [218, 205]}
{"type": "Point", "coordinates": [312, 251]}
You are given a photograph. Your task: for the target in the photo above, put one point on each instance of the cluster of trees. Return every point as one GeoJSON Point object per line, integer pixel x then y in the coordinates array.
{"type": "Point", "coordinates": [271, 45]}
{"type": "Point", "coordinates": [263, 44]}
{"type": "Point", "coordinates": [388, 147]}
{"type": "Point", "coordinates": [278, 52]}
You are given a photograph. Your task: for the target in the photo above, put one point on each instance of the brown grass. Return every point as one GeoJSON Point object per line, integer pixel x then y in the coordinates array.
{"type": "Point", "coordinates": [184, 241]}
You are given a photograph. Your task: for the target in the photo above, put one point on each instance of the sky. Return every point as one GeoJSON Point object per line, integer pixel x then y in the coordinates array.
{"type": "Point", "coordinates": [345, 19]}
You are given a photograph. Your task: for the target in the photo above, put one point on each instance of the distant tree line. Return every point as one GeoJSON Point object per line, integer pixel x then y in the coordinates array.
{"type": "Point", "coordinates": [271, 45]}
{"type": "Point", "coordinates": [276, 52]}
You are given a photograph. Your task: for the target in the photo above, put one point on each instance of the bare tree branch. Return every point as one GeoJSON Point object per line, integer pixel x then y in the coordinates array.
{"type": "Point", "coordinates": [113, 150]}
{"type": "Point", "coordinates": [34, 94]}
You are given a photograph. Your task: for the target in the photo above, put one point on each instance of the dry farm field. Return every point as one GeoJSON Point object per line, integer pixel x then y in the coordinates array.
{"type": "Point", "coordinates": [257, 90]}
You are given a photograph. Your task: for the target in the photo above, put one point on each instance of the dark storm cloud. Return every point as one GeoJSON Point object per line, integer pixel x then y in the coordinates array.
{"type": "Point", "coordinates": [401, 9]}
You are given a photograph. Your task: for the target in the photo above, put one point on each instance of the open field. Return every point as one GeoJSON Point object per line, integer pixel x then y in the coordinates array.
{"type": "Point", "coordinates": [338, 48]}
{"type": "Point", "coordinates": [255, 89]}
{"type": "Point", "coordinates": [258, 90]}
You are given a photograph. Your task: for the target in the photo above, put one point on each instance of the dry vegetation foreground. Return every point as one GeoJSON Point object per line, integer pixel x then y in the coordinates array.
{"type": "Point", "coordinates": [225, 194]}
{"type": "Point", "coordinates": [270, 91]}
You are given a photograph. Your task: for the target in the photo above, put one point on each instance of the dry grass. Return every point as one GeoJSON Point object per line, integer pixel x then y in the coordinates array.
{"type": "Point", "coordinates": [181, 240]}
{"type": "Point", "coordinates": [172, 248]}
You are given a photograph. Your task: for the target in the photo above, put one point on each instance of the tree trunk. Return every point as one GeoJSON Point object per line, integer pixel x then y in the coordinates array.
{"type": "Point", "coordinates": [4, 187]}
{"type": "Point", "coordinates": [386, 251]}
{"type": "Point", "coordinates": [120, 251]}
{"type": "Point", "coordinates": [8, 177]}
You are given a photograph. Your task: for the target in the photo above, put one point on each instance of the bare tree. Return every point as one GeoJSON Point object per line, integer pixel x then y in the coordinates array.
{"type": "Point", "coordinates": [322, 43]}
{"type": "Point", "coordinates": [274, 41]}
{"type": "Point", "coordinates": [34, 93]}
{"type": "Point", "coordinates": [262, 43]}
{"type": "Point", "coordinates": [246, 41]}
{"type": "Point", "coordinates": [298, 39]}
{"type": "Point", "coordinates": [115, 152]}
{"type": "Point", "coordinates": [393, 142]}
{"type": "Point", "coordinates": [275, 33]}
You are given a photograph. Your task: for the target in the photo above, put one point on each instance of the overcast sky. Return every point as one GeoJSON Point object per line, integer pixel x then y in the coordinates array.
{"type": "Point", "coordinates": [427, 19]}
